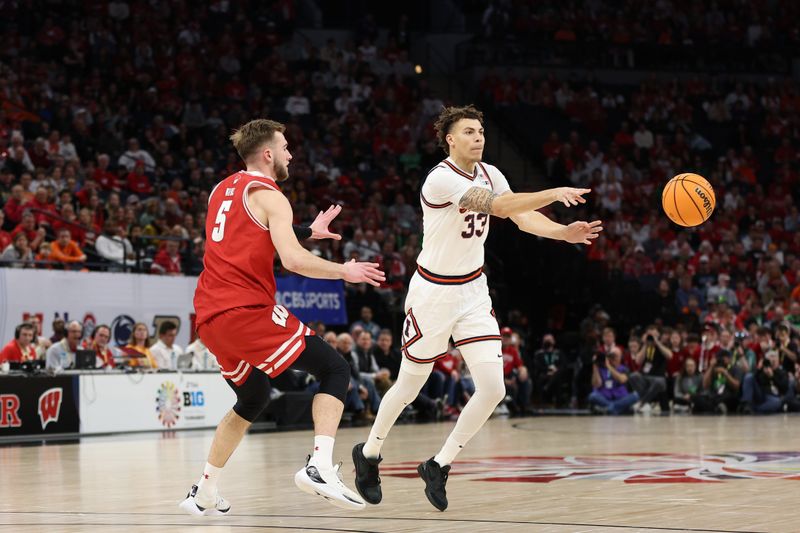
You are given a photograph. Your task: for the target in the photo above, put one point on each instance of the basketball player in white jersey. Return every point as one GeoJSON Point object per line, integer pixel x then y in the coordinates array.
{"type": "Point", "coordinates": [448, 295]}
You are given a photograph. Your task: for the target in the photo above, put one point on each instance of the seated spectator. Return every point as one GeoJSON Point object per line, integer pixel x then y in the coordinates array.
{"type": "Point", "coordinates": [17, 254]}
{"type": "Point", "coordinates": [59, 330]}
{"type": "Point", "coordinates": [609, 378]}
{"type": "Point", "coordinates": [448, 367]}
{"type": "Point", "coordinates": [787, 349]}
{"type": "Point", "coordinates": [168, 260]}
{"type": "Point", "coordinates": [386, 355]}
{"type": "Point", "coordinates": [5, 237]}
{"type": "Point", "coordinates": [65, 250]}
{"type": "Point", "coordinates": [650, 382]}
{"type": "Point", "coordinates": [721, 385]}
{"type": "Point", "coordinates": [98, 342]}
{"type": "Point", "coordinates": [165, 351]}
{"type": "Point", "coordinates": [138, 182]}
{"type": "Point", "coordinates": [113, 245]}
{"type": "Point", "coordinates": [366, 322]}
{"type": "Point", "coordinates": [202, 358]}
{"type": "Point", "coordinates": [61, 355]}
{"type": "Point", "coordinates": [136, 155]}
{"type": "Point", "coordinates": [41, 344]}
{"type": "Point", "coordinates": [138, 348]}
{"type": "Point", "coordinates": [365, 388]}
{"type": "Point", "coordinates": [770, 389]}
{"type": "Point", "coordinates": [518, 382]}
{"type": "Point", "coordinates": [15, 205]}
{"type": "Point", "coordinates": [21, 347]}
{"type": "Point", "coordinates": [368, 365]}
{"type": "Point", "coordinates": [551, 373]}
{"type": "Point", "coordinates": [688, 383]}
{"type": "Point", "coordinates": [105, 179]}
{"type": "Point", "coordinates": [721, 292]}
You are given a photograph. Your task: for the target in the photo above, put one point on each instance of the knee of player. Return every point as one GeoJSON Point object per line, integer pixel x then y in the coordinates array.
{"type": "Point", "coordinates": [252, 397]}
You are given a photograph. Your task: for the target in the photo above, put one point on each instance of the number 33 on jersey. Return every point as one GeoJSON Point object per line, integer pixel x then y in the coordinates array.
{"type": "Point", "coordinates": [453, 238]}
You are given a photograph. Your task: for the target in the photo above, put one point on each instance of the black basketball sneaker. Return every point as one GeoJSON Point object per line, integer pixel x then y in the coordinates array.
{"type": "Point", "coordinates": [435, 478]}
{"type": "Point", "coordinates": [368, 480]}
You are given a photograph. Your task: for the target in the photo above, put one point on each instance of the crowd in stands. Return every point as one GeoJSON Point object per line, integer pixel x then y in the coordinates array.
{"type": "Point", "coordinates": [115, 120]}
{"type": "Point", "coordinates": [114, 124]}
{"type": "Point", "coordinates": [718, 35]}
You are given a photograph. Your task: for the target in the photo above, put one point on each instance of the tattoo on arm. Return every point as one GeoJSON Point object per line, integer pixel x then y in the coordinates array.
{"type": "Point", "coordinates": [478, 200]}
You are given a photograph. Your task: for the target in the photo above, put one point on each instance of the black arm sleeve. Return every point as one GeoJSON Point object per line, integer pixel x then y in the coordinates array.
{"type": "Point", "coordinates": [301, 232]}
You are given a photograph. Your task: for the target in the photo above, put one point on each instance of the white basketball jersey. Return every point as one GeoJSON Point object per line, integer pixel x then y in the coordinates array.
{"type": "Point", "coordinates": [452, 240]}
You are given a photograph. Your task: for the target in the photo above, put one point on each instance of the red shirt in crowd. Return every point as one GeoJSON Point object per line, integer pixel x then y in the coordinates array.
{"type": "Point", "coordinates": [139, 183]}
{"type": "Point", "coordinates": [511, 359]}
{"type": "Point", "coordinates": [446, 364]}
{"type": "Point", "coordinates": [169, 264]}
{"type": "Point", "coordinates": [106, 180]}
{"type": "Point", "coordinates": [13, 353]}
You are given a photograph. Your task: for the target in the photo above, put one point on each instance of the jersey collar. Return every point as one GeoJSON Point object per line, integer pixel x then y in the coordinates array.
{"type": "Point", "coordinates": [257, 173]}
{"type": "Point", "coordinates": [450, 163]}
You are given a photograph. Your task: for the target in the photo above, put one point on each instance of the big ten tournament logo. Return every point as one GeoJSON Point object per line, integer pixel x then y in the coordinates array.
{"type": "Point", "coordinates": [50, 405]}
{"type": "Point", "coordinates": [168, 404]}
{"type": "Point", "coordinates": [624, 467]}
{"type": "Point", "coordinates": [194, 403]}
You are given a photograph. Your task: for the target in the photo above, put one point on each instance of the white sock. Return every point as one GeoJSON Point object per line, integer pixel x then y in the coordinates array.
{"type": "Point", "coordinates": [323, 451]}
{"type": "Point", "coordinates": [402, 393]}
{"type": "Point", "coordinates": [207, 486]}
{"type": "Point", "coordinates": [489, 391]}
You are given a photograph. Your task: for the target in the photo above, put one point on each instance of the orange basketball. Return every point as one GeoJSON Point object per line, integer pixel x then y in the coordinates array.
{"type": "Point", "coordinates": [688, 199]}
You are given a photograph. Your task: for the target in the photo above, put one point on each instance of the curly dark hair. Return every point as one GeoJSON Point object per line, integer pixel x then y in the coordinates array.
{"type": "Point", "coordinates": [451, 115]}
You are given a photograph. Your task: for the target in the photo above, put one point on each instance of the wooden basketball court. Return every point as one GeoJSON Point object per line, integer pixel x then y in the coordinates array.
{"type": "Point", "coordinates": [559, 474]}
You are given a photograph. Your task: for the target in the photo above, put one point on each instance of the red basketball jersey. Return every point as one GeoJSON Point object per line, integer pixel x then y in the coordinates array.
{"type": "Point", "coordinates": [238, 261]}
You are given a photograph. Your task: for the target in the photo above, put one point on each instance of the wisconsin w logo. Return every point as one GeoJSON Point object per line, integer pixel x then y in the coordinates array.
{"type": "Point", "coordinates": [50, 405]}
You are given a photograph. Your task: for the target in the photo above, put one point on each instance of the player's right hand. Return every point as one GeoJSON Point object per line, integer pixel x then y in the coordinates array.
{"type": "Point", "coordinates": [355, 272]}
{"type": "Point", "coordinates": [570, 196]}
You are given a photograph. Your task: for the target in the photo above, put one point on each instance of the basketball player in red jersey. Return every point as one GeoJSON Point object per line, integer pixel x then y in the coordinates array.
{"type": "Point", "coordinates": [249, 219]}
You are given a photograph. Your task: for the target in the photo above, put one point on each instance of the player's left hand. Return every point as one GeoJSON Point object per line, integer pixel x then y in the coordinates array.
{"type": "Point", "coordinates": [319, 228]}
{"type": "Point", "coordinates": [582, 232]}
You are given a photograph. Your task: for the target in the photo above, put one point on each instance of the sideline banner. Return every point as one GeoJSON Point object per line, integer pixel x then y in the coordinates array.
{"type": "Point", "coordinates": [147, 402]}
{"type": "Point", "coordinates": [312, 299]}
{"type": "Point", "coordinates": [120, 300]}
{"type": "Point", "coordinates": [34, 406]}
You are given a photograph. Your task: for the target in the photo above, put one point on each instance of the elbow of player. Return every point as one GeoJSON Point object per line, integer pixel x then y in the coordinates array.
{"type": "Point", "coordinates": [291, 262]}
{"type": "Point", "coordinates": [500, 207]}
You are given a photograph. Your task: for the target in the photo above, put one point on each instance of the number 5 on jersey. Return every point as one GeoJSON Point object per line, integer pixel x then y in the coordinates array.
{"type": "Point", "coordinates": [218, 233]}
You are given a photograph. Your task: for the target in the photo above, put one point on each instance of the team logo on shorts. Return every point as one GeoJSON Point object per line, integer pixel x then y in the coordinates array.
{"type": "Point", "coordinates": [168, 404]}
{"type": "Point", "coordinates": [625, 467]}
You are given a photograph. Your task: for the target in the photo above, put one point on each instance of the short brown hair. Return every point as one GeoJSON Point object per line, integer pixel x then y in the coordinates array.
{"type": "Point", "coordinates": [451, 115]}
{"type": "Point", "coordinates": [250, 137]}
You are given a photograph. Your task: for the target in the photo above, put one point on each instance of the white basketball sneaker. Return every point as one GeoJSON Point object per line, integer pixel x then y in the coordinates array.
{"type": "Point", "coordinates": [219, 507]}
{"type": "Point", "coordinates": [328, 484]}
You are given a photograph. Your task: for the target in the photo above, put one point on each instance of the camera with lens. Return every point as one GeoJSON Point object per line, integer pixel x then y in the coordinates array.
{"type": "Point", "coordinates": [547, 345]}
{"type": "Point", "coordinates": [650, 338]}
{"type": "Point", "coordinates": [599, 358]}
{"type": "Point", "coordinates": [766, 363]}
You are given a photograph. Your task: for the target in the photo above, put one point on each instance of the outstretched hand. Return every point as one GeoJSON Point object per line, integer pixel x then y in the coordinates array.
{"type": "Point", "coordinates": [570, 196]}
{"type": "Point", "coordinates": [363, 273]}
{"type": "Point", "coordinates": [582, 232]}
{"type": "Point", "coordinates": [319, 228]}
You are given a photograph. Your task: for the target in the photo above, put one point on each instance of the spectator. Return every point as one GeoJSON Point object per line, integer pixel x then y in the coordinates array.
{"type": "Point", "coordinates": [61, 355]}
{"type": "Point", "coordinates": [99, 343]}
{"type": "Point", "coordinates": [386, 355]}
{"type": "Point", "coordinates": [367, 365]}
{"type": "Point", "coordinates": [41, 344]}
{"type": "Point", "coordinates": [135, 154]}
{"type": "Point", "coordinates": [721, 292]}
{"type": "Point", "coordinates": [769, 389]}
{"type": "Point", "coordinates": [202, 358]}
{"type": "Point", "coordinates": [165, 351]}
{"type": "Point", "coordinates": [65, 250]}
{"type": "Point", "coordinates": [721, 384]}
{"type": "Point", "coordinates": [365, 387]}
{"type": "Point", "coordinates": [17, 254]}
{"type": "Point", "coordinates": [518, 382]}
{"type": "Point", "coordinates": [14, 207]}
{"type": "Point", "coordinates": [366, 322]}
{"type": "Point", "coordinates": [138, 348]}
{"type": "Point", "coordinates": [21, 347]}
{"type": "Point", "coordinates": [59, 330]}
{"type": "Point", "coordinates": [113, 245]}
{"type": "Point", "coordinates": [650, 382]}
{"type": "Point", "coordinates": [551, 374]}
{"type": "Point", "coordinates": [688, 383]}
{"type": "Point", "coordinates": [168, 260]}
{"type": "Point", "coordinates": [787, 349]}
{"type": "Point", "coordinates": [137, 180]}
{"type": "Point", "coordinates": [609, 377]}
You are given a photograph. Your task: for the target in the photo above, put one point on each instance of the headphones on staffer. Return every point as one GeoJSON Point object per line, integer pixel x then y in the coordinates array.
{"type": "Point", "coordinates": [24, 325]}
